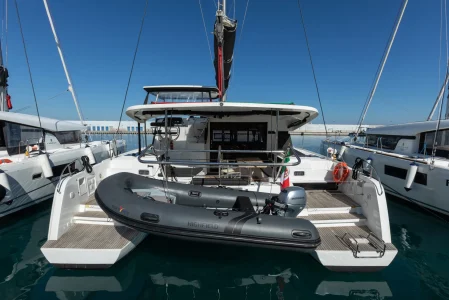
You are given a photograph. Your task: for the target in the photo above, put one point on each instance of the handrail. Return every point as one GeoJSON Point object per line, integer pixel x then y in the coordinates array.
{"type": "Point", "coordinates": [199, 163]}
{"type": "Point", "coordinates": [222, 151]}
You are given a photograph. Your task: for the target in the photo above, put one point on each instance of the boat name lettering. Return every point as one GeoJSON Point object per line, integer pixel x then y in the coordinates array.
{"type": "Point", "coordinates": [447, 182]}
{"type": "Point", "coordinates": [202, 225]}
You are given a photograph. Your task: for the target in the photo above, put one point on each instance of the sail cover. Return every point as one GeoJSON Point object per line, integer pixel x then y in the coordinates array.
{"type": "Point", "coordinates": [224, 40]}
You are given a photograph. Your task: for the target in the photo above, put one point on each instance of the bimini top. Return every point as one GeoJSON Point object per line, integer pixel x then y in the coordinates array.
{"type": "Point", "coordinates": [409, 129]}
{"type": "Point", "coordinates": [33, 121]}
{"type": "Point", "coordinates": [181, 93]}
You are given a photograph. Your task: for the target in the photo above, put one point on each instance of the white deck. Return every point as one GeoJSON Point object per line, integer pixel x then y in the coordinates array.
{"type": "Point", "coordinates": [93, 241]}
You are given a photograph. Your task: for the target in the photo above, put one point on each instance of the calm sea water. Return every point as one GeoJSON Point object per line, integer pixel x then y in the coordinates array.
{"type": "Point", "coordinates": [166, 269]}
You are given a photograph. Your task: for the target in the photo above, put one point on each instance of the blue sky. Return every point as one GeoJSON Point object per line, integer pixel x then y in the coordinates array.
{"type": "Point", "coordinates": [347, 39]}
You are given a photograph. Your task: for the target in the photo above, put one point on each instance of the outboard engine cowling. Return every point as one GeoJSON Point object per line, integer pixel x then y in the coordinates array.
{"type": "Point", "coordinates": [293, 200]}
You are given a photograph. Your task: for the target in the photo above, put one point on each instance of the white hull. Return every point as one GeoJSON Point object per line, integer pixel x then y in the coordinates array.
{"type": "Point", "coordinates": [367, 204]}
{"type": "Point", "coordinates": [25, 187]}
{"type": "Point", "coordinates": [431, 195]}
{"type": "Point", "coordinates": [80, 235]}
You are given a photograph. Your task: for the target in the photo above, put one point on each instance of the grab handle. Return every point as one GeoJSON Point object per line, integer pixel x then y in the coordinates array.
{"type": "Point", "coordinates": [194, 194]}
{"type": "Point", "coordinates": [149, 217]}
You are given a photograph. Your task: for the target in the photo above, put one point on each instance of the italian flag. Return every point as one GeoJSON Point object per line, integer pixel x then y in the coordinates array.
{"type": "Point", "coordinates": [285, 180]}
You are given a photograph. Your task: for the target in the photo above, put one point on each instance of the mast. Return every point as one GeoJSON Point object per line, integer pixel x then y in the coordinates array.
{"type": "Point", "coordinates": [223, 95]}
{"type": "Point", "coordinates": [384, 60]}
{"type": "Point", "coordinates": [224, 40]}
{"type": "Point", "coordinates": [4, 71]}
{"type": "Point", "coordinates": [66, 71]}
{"type": "Point", "coordinates": [2, 85]}
{"type": "Point", "coordinates": [219, 27]}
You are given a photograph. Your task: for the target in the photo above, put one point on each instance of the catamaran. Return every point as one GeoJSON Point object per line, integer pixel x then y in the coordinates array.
{"type": "Point", "coordinates": [411, 159]}
{"type": "Point", "coordinates": [221, 148]}
{"type": "Point", "coordinates": [36, 151]}
{"type": "Point", "coordinates": [220, 172]}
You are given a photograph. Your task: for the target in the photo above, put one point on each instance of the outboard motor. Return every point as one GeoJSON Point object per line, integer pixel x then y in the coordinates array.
{"type": "Point", "coordinates": [289, 203]}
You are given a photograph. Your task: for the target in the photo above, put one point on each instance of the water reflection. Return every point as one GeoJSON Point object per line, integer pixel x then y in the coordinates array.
{"type": "Point", "coordinates": [21, 261]}
{"type": "Point", "coordinates": [369, 289]}
{"type": "Point", "coordinates": [166, 269]}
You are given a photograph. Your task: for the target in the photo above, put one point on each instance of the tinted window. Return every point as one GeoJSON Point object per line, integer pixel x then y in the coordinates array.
{"type": "Point", "coordinates": [68, 137]}
{"type": "Point", "coordinates": [420, 178]}
{"type": "Point", "coordinates": [442, 143]}
{"type": "Point", "coordinates": [387, 142]}
{"type": "Point", "coordinates": [18, 136]}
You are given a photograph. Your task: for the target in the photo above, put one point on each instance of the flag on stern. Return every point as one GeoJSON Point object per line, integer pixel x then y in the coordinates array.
{"type": "Point", "coordinates": [285, 180]}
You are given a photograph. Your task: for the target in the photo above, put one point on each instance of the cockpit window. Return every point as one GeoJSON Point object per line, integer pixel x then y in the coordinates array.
{"type": "Point", "coordinates": [18, 136]}
{"type": "Point", "coordinates": [442, 143]}
{"type": "Point", "coordinates": [68, 137]}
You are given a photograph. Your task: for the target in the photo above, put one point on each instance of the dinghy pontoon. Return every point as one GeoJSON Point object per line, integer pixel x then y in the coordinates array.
{"type": "Point", "coordinates": [207, 214]}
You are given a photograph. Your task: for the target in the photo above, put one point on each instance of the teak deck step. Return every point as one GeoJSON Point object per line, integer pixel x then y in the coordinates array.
{"type": "Point", "coordinates": [92, 200]}
{"type": "Point", "coordinates": [92, 205]}
{"type": "Point", "coordinates": [88, 236]}
{"type": "Point", "coordinates": [330, 240]}
{"type": "Point", "coordinates": [323, 200]}
{"type": "Point", "coordinates": [93, 217]}
{"type": "Point", "coordinates": [334, 218]}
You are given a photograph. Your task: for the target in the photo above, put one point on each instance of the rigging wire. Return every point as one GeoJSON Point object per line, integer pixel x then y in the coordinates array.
{"type": "Point", "coordinates": [3, 25]}
{"type": "Point", "coordinates": [311, 64]}
{"type": "Point", "coordinates": [57, 95]}
{"type": "Point", "coordinates": [6, 34]}
{"type": "Point", "coordinates": [440, 109]}
{"type": "Point", "coordinates": [239, 40]}
{"type": "Point", "coordinates": [243, 23]}
{"type": "Point", "coordinates": [377, 72]}
{"type": "Point", "coordinates": [28, 64]}
{"type": "Point", "coordinates": [441, 39]}
{"type": "Point", "coordinates": [381, 65]}
{"type": "Point", "coordinates": [205, 31]}
{"type": "Point", "coordinates": [447, 55]}
{"type": "Point", "coordinates": [132, 65]}
{"type": "Point", "coordinates": [445, 17]}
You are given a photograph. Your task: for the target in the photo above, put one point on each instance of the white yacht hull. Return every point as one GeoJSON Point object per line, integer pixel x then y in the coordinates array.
{"type": "Point", "coordinates": [430, 193]}
{"type": "Point", "coordinates": [24, 179]}
{"type": "Point", "coordinates": [363, 211]}
{"type": "Point", "coordinates": [81, 235]}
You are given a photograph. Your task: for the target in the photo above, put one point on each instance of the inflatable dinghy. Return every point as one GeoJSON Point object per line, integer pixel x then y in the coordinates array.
{"type": "Point", "coordinates": [218, 215]}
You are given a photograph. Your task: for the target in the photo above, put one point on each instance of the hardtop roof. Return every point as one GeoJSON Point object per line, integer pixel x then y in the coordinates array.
{"type": "Point", "coordinates": [408, 129]}
{"type": "Point", "coordinates": [33, 121]}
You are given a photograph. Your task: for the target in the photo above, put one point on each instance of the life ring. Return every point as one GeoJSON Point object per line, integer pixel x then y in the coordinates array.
{"type": "Point", "coordinates": [341, 172]}
{"type": "Point", "coordinates": [5, 161]}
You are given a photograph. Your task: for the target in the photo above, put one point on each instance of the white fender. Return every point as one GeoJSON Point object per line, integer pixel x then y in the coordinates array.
{"type": "Point", "coordinates": [45, 165]}
{"type": "Point", "coordinates": [88, 152]}
{"type": "Point", "coordinates": [410, 176]}
{"type": "Point", "coordinates": [5, 183]}
{"type": "Point", "coordinates": [342, 151]}
{"type": "Point", "coordinates": [113, 148]}
{"type": "Point", "coordinates": [368, 165]}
